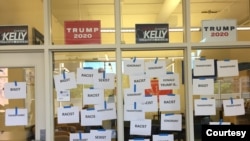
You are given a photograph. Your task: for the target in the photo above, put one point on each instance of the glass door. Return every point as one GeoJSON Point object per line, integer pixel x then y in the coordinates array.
{"type": "Point", "coordinates": [19, 91]}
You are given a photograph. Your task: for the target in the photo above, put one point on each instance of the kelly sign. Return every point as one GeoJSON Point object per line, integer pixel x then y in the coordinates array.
{"type": "Point", "coordinates": [152, 33]}
{"type": "Point", "coordinates": [82, 32]}
{"type": "Point", "coordinates": [14, 35]}
{"type": "Point", "coordinates": [219, 30]}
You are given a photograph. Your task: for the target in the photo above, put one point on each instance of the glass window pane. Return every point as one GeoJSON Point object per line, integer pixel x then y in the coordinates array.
{"type": "Point", "coordinates": [148, 83]}
{"type": "Point", "coordinates": [10, 104]}
{"type": "Point", "coordinates": [220, 10]}
{"type": "Point", "coordinates": [94, 94]}
{"type": "Point", "coordinates": [226, 85]}
{"type": "Point", "coordinates": [84, 10]}
{"type": "Point", "coordinates": [23, 20]}
{"type": "Point", "coordinates": [151, 12]}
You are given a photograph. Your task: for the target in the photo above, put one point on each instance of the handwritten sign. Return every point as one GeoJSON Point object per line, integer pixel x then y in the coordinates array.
{"type": "Point", "coordinates": [68, 115]}
{"type": "Point", "coordinates": [16, 117]}
{"type": "Point", "coordinates": [100, 135]}
{"type": "Point", "coordinates": [90, 117]}
{"type": "Point", "coordinates": [227, 68]}
{"type": "Point", "coordinates": [233, 107]}
{"type": "Point", "coordinates": [204, 67]}
{"type": "Point", "coordinates": [140, 127]}
{"type": "Point", "coordinates": [79, 136]}
{"type": "Point", "coordinates": [15, 90]}
{"type": "Point", "coordinates": [163, 137]}
{"type": "Point", "coordinates": [140, 81]}
{"type": "Point", "coordinates": [169, 81]}
{"type": "Point", "coordinates": [107, 111]}
{"type": "Point", "coordinates": [134, 66]}
{"type": "Point", "coordinates": [155, 68]}
{"type": "Point", "coordinates": [133, 112]}
{"type": "Point", "coordinates": [203, 86]}
{"type": "Point", "coordinates": [203, 107]}
{"type": "Point", "coordinates": [86, 76]}
{"type": "Point", "coordinates": [170, 102]}
{"type": "Point", "coordinates": [65, 81]}
{"type": "Point", "coordinates": [171, 122]}
{"type": "Point", "coordinates": [104, 80]}
{"type": "Point", "coordinates": [93, 96]}
{"type": "Point", "coordinates": [133, 95]}
{"type": "Point", "coordinates": [150, 103]}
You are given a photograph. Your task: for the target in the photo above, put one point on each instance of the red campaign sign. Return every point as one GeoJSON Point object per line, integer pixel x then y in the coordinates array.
{"type": "Point", "coordinates": [155, 89]}
{"type": "Point", "coordinates": [82, 32]}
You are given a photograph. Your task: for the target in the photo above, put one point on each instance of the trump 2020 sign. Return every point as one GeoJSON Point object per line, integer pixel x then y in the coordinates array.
{"type": "Point", "coordinates": [82, 32]}
{"type": "Point", "coordinates": [219, 30]}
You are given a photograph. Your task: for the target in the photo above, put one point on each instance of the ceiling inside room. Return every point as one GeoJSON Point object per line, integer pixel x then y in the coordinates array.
{"type": "Point", "coordinates": [132, 11]}
{"type": "Point", "coordinates": [151, 11]}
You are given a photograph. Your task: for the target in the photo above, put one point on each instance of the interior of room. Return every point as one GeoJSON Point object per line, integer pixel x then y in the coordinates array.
{"type": "Point", "coordinates": [31, 13]}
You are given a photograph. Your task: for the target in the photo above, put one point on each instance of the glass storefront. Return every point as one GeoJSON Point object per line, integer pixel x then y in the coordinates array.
{"type": "Point", "coordinates": [225, 87]}
{"type": "Point", "coordinates": [104, 62]}
{"type": "Point", "coordinates": [86, 63]}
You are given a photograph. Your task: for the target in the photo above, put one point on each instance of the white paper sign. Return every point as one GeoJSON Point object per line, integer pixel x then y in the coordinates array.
{"type": "Point", "coordinates": [140, 127]}
{"type": "Point", "coordinates": [204, 107]}
{"type": "Point", "coordinates": [90, 117]}
{"type": "Point", "coordinates": [104, 80]}
{"type": "Point", "coordinates": [133, 95]}
{"type": "Point", "coordinates": [133, 112]}
{"type": "Point", "coordinates": [133, 66]}
{"type": "Point", "coordinates": [63, 95]}
{"type": "Point", "coordinates": [219, 30]}
{"type": "Point", "coordinates": [86, 76]}
{"type": "Point", "coordinates": [140, 139]}
{"type": "Point", "coordinates": [227, 68]}
{"type": "Point", "coordinates": [233, 107]}
{"type": "Point", "coordinates": [65, 81]}
{"type": "Point", "coordinates": [169, 102]}
{"type": "Point", "coordinates": [93, 96]}
{"type": "Point", "coordinates": [150, 103]}
{"type": "Point", "coordinates": [100, 135]}
{"type": "Point", "coordinates": [163, 137]}
{"type": "Point", "coordinates": [219, 123]}
{"type": "Point", "coordinates": [79, 136]}
{"type": "Point", "coordinates": [141, 82]}
{"type": "Point", "coordinates": [155, 68]}
{"type": "Point", "coordinates": [107, 111]}
{"type": "Point", "coordinates": [203, 86]}
{"type": "Point", "coordinates": [16, 117]}
{"type": "Point", "coordinates": [169, 81]}
{"type": "Point", "coordinates": [172, 122]}
{"type": "Point", "coordinates": [204, 67]}
{"type": "Point", "coordinates": [68, 114]}
{"type": "Point", "coordinates": [15, 90]}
